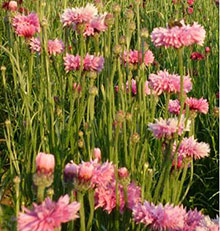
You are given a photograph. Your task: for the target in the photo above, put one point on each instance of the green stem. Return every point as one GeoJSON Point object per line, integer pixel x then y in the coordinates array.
{"type": "Point", "coordinates": [80, 197]}
{"type": "Point", "coordinates": [40, 193]}
{"type": "Point", "coordinates": [91, 205]}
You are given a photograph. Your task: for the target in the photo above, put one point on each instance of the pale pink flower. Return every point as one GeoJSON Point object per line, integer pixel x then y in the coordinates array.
{"type": "Point", "coordinates": [97, 23]}
{"type": "Point", "coordinates": [45, 163]}
{"type": "Point", "coordinates": [199, 105]}
{"type": "Point", "coordinates": [68, 17]}
{"type": "Point", "coordinates": [87, 13]}
{"type": "Point", "coordinates": [206, 224]}
{"type": "Point", "coordinates": [148, 57]}
{"type": "Point", "coordinates": [35, 45]}
{"type": "Point", "coordinates": [169, 83]}
{"type": "Point", "coordinates": [71, 62]}
{"type": "Point", "coordinates": [123, 173]}
{"type": "Point", "coordinates": [26, 26]}
{"type": "Point", "coordinates": [168, 127]}
{"type": "Point", "coordinates": [133, 195]}
{"type": "Point", "coordinates": [189, 147]}
{"type": "Point", "coordinates": [178, 36]}
{"type": "Point", "coordinates": [174, 106]}
{"type": "Point", "coordinates": [49, 215]}
{"type": "Point", "coordinates": [103, 174]}
{"type": "Point", "coordinates": [93, 63]}
{"type": "Point", "coordinates": [12, 5]}
{"type": "Point", "coordinates": [55, 47]}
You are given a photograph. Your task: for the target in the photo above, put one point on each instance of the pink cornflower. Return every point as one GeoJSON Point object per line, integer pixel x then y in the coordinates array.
{"type": "Point", "coordinates": [97, 23]}
{"type": "Point", "coordinates": [26, 26]}
{"type": "Point", "coordinates": [133, 195]}
{"type": "Point", "coordinates": [123, 173]}
{"type": "Point", "coordinates": [45, 163]}
{"type": "Point", "coordinates": [97, 154]}
{"type": "Point", "coordinates": [168, 127]}
{"type": "Point", "coordinates": [103, 174]}
{"type": "Point", "coordinates": [55, 47]}
{"type": "Point", "coordinates": [178, 36]}
{"type": "Point", "coordinates": [190, 2]}
{"type": "Point", "coordinates": [197, 56]}
{"type": "Point", "coordinates": [206, 224]}
{"type": "Point", "coordinates": [35, 45]}
{"type": "Point", "coordinates": [169, 83]}
{"type": "Point", "coordinates": [85, 171]}
{"type": "Point", "coordinates": [93, 63]}
{"type": "Point", "coordinates": [49, 215]}
{"type": "Point", "coordinates": [192, 220]}
{"type": "Point", "coordinates": [189, 147]}
{"type": "Point", "coordinates": [71, 171]}
{"type": "Point", "coordinates": [71, 62]}
{"type": "Point", "coordinates": [135, 56]}
{"type": "Point", "coordinates": [199, 105]}
{"type": "Point", "coordinates": [174, 106]}
{"type": "Point", "coordinates": [190, 10]}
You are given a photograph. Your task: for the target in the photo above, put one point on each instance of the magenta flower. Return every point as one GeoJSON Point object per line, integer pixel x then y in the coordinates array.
{"type": "Point", "coordinates": [26, 26]}
{"type": "Point", "coordinates": [174, 107]}
{"type": "Point", "coordinates": [135, 56]}
{"type": "Point", "coordinates": [192, 220]}
{"type": "Point", "coordinates": [178, 36]}
{"type": "Point", "coordinates": [199, 105]}
{"type": "Point", "coordinates": [55, 47]}
{"type": "Point", "coordinates": [49, 215]}
{"type": "Point", "coordinates": [71, 171]}
{"type": "Point", "coordinates": [189, 147]}
{"type": "Point", "coordinates": [71, 62]}
{"type": "Point", "coordinates": [45, 163]}
{"type": "Point", "coordinates": [167, 128]}
{"type": "Point", "coordinates": [93, 63]}
{"type": "Point", "coordinates": [133, 195]}
{"type": "Point", "coordinates": [197, 56]}
{"type": "Point", "coordinates": [169, 83]}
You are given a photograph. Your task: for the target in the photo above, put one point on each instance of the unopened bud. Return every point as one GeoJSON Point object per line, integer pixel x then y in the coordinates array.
{"type": "Point", "coordinates": [122, 40]}
{"type": "Point", "coordinates": [80, 143]}
{"type": "Point", "coordinates": [129, 14]}
{"type": "Point", "coordinates": [120, 116]}
{"type": "Point", "coordinates": [93, 91]}
{"type": "Point", "coordinates": [116, 8]}
{"type": "Point", "coordinates": [109, 20]}
{"type": "Point", "coordinates": [117, 50]}
{"type": "Point", "coordinates": [80, 134]}
{"type": "Point", "coordinates": [135, 138]}
{"type": "Point", "coordinates": [144, 33]}
{"type": "Point", "coordinates": [129, 117]}
{"type": "Point", "coordinates": [132, 26]}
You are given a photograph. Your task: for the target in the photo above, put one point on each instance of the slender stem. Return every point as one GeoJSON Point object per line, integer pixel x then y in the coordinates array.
{"type": "Point", "coordinates": [80, 196]}
{"type": "Point", "coordinates": [40, 193]}
{"type": "Point", "coordinates": [91, 205]}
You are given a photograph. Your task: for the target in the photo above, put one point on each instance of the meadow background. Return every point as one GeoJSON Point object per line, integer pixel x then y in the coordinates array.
{"type": "Point", "coordinates": [40, 111]}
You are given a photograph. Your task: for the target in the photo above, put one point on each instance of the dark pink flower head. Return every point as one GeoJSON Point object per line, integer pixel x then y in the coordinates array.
{"type": "Point", "coordinates": [93, 63]}
{"type": "Point", "coordinates": [168, 127]}
{"type": "Point", "coordinates": [105, 197]}
{"type": "Point", "coordinates": [192, 220]}
{"type": "Point", "coordinates": [174, 106]}
{"type": "Point", "coordinates": [55, 47]}
{"type": "Point", "coordinates": [35, 45]}
{"type": "Point", "coordinates": [85, 171]}
{"type": "Point", "coordinates": [178, 36]}
{"type": "Point", "coordinates": [103, 174]}
{"type": "Point", "coordinates": [71, 62]}
{"type": "Point", "coordinates": [197, 56]}
{"type": "Point", "coordinates": [207, 50]}
{"type": "Point", "coordinates": [133, 195]}
{"type": "Point", "coordinates": [123, 173]}
{"type": "Point", "coordinates": [26, 26]}
{"type": "Point", "coordinates": [190, 10]}
{"type": "Point", "coordinates": [199, 105]}
{"type": "Point", "coordinates": [169, 83]}
{"type": "Point", "coordinates": [45, 163]}
{"type": "Point", "coordinates": [189, 147]}
{"type": "Point", "coordinates": [190, 2]}
{"type": "Point", "coordinates": [71, 171]}
{"type": "Point", "coordinates": [134, 56]}
{"type": "Point", "coordinates": [49, 215]}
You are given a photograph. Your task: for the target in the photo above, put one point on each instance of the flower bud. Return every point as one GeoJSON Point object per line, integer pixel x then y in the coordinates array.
{"type": "Point", "coordinates": [123, 173]}
{"type": "Point", "coordinates": [129, 14]}
{"type": "Point", "coordinates": [132, 26]}
{"type": "Point", "coordinates": [80, 133]}
{"type": "Point", "coordinates": [117, 50]}
{"type": "Point", "coordinates": [70, 171]}
{"type": "Point", "coordinates": [190, 10]}
{"type": "Point", "coordinates": [120, 116]}
{"type": "Point", "coordinates": [97, 154]}
{"type": "Point", "coordinates": [109, 20]}
{"type": "Point", "coordinates": [80, 143]}
{"type": "Point", "coordinates": [3, 68]}
{"type": "Point", "coordinates": [85, 171]}
{"type": "Point", "coordinates": [93, 91]}
{"type": "Point", "coordinates": [122, 40]}
{"type": "Point", "coordinates": [207, 49]}
{"type": "Point", "coordinates": [116, 8]}
{"type": "Point", "coordinates": [135, 138]}
{"type": "Point", "coordinates": [129, 117]}
{"type": "Point", "coordinates": [45, 163]}
{"type": "Point", "coordinates": [12, 5]}
{"type": "Point", "coordinates": [144, 33]}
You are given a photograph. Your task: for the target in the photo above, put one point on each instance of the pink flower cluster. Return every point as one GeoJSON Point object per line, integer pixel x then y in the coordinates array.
{"type": "Point", "coordinates": [54, 47]}
{"type": "Point", "coordinates": [169, 83]}
{"type": "Point", "coordinates": [189, 147]}
{"type": "Point", "coordinates": [49, 215]}
{"type": "Point", "coordinates": [90, 63]}
{"type": "Point", "coordinates": [86, 16]}
{"type": "Point", "coordinates": [179, 36]}
{"type": "Point", "coordinates": [26, 26]}
{"type": "Point", "coordinates": [197, 105]}
{"type": "Point", "coordinates": [133, 57]}
{"type": "Point", "coordinates": [166, 128]}
{"type": "Point", "coordinates": [172, 218]}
